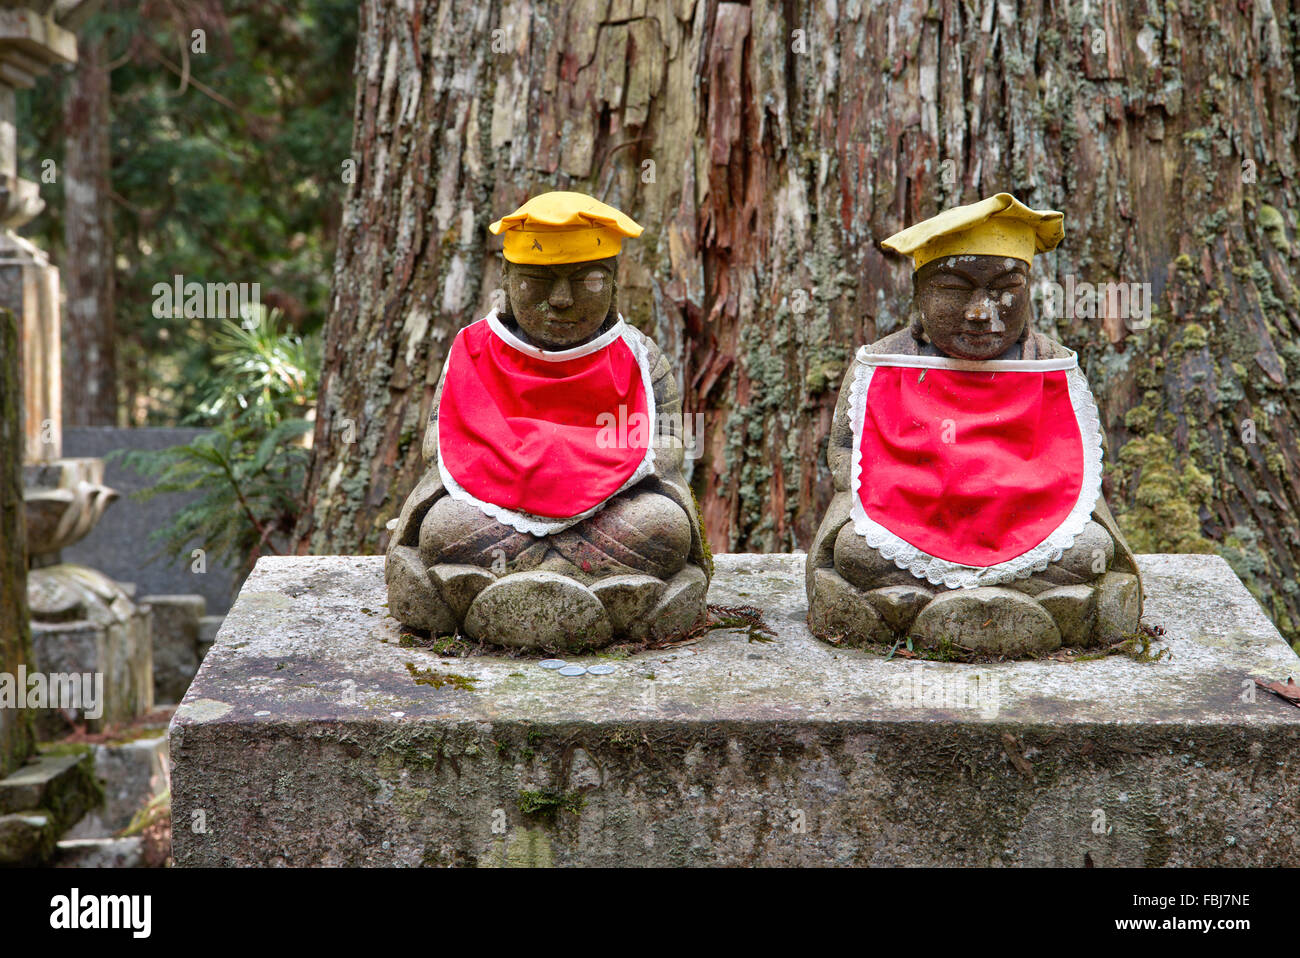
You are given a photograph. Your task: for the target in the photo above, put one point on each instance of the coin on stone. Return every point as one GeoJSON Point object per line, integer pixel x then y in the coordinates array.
{"type": "Point", "coordinates": [574, 670]}
{"type": "Point", "coordinates": [603, 668]}
{"type": "Point", "coordinates": [552, 663]}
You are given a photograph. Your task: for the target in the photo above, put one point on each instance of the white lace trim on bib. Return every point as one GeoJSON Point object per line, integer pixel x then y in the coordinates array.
{"type": "Point", "coordinates": [954, 575]}
{"type": "Point", "coordinates": [547, 525]}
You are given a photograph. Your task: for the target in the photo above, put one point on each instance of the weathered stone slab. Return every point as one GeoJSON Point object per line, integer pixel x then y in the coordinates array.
{"type": "Point", "coordinates": [176, 620]}
{"type": "Point", "coordinates": [39, 802]}
{"type": "Point", "coordinates": [306, 740]}
{"type": "Point", "coordinates": [113, 641]}
{"type": "Point", "coordinates": [57, 783]}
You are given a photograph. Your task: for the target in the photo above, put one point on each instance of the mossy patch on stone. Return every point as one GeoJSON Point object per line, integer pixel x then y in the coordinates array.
{"type": "Point", "coordinates": [439, 679]}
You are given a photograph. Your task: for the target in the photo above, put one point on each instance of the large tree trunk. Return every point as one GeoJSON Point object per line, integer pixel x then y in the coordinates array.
{"type": "Point", "coordinates": [767, 148]}
{"type": "Point", "coordinates": [89, 349]}
{"type": "Point", "coordinates": [15, 634]}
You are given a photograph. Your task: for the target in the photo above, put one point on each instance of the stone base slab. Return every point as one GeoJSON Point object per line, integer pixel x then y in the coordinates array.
{"type": "Point", "coordinates": [111, 637]}
{"type": "Point", "coordinates": [307, 739]}
{"type": "Point", "coordinates": [177, 631]}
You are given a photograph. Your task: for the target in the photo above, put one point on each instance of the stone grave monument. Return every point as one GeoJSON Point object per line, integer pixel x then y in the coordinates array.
{"type": "Point", "coordinates": [45, 795]}
{"type": "Point", "coordinates": [82, 621]}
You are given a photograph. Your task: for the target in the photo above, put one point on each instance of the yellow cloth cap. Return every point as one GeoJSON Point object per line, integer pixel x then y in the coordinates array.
{"type": "Point", "coordinates": [998, 226]}
{"type": "Point", "coordinates": [563, 227]}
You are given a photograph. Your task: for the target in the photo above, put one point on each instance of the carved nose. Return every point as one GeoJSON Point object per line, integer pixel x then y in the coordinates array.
{"type": "Point", "coordinates": [561, 296]}
{"type": "Point", "coordinates": [984, 312]}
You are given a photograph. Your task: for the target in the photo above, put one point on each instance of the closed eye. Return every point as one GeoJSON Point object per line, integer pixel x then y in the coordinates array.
{"type": "Point", "coordinates": [950, 282]}
{"type": "Point", "coordinates": [1008, 281]}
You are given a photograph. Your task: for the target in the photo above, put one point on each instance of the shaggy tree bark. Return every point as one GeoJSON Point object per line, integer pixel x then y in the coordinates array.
{"type": "Point", "coordinates": [767, 148]}
{"type": "Point", "coordinates": [15, 634]}
{"type": "Point", "coordinates": [89, 350]}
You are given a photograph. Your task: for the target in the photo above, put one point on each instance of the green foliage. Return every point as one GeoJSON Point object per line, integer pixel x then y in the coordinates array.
{"type": "Point", "coordinates": [250, 484]}
{"type": "Point", "coordinates": [226, 166]}
{"type": "Point", "coordinates": [251, 468]}
{"type": "Point", "coordinates": [259, 372]}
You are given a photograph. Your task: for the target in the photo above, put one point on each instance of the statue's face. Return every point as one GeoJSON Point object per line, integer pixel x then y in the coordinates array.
{"type": "Point", "coordinates": [561, 306]}
{"type": "Point", "coordinates": [973, 307]}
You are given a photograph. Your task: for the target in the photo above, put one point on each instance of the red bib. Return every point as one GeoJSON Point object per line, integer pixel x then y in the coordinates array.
{"type": "Point", "coordinates": [981, 465]}
{"type": "Point", "coordinates": [525, 433]}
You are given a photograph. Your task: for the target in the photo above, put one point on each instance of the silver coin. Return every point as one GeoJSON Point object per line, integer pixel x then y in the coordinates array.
{"type": "Point", "coordinates": [574, 670]}
{"type": "Point", "coordinates": [552, 663]}
{"type": "Point", "coordinates": [604, 668]}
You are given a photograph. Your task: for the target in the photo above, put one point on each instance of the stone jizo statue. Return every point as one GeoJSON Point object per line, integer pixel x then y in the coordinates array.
{"type": "Point", "coordinates": [553, 513]}
{"type": "Point", "coordinates": [966, 452]}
